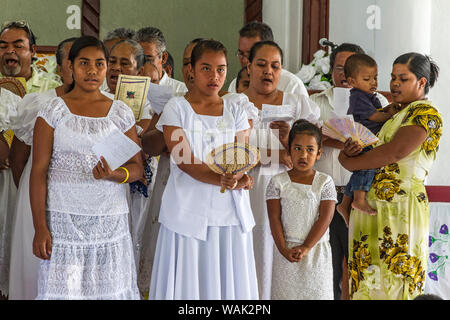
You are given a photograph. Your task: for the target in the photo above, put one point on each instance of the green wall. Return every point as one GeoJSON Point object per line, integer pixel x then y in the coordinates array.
{"type": "Point", "coordinates": [180, 21]}
{"type": "Point", "coordinates": [47, 18]}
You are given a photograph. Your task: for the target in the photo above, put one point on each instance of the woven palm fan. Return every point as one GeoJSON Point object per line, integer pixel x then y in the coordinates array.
{"type": "Point", "coordinates": [343, 128]}
{"type": "Point", "coordinates": [232, 158]}
{"type": "Point", "coordinates": [14, 85]}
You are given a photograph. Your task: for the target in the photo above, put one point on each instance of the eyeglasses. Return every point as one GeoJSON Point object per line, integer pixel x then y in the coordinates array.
{"type": "Point", "coordinates": [241, 54]}
{"type": "Point", "coordinates": [18, 24]}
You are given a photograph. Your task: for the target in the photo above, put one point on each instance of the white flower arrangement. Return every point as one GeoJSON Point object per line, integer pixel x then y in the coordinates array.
{"type": "Point", "coordinates": [317, 74]}
{"type": "Point", "coordinates": [47, 64]}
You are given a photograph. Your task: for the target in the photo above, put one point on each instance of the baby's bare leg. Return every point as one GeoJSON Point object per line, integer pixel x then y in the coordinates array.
{"type": "Point", "coordinates": [360, 203]}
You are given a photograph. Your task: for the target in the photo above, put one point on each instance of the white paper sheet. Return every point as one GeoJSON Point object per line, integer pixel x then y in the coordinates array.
{"type": "Point", "coordinates": [158, 95]}
{"type": "Point", "coordinates": [277, 113]}
{"type": "Point", "coordinates": [116, 148]}
{"type": "Point", "coordinates": [341, 101]}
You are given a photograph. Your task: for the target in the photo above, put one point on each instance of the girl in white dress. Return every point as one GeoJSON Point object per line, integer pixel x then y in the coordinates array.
{"type": "Point", "coordinates": [24, 266]}
{"type": "Point", "coordinates": [300, 204]}
{"type": "Point", "coordinates": [264, 68]}
{"type": "Point", "coordinates": [79, 205]}
{"type": "Point", "coordinates": [204, 248]}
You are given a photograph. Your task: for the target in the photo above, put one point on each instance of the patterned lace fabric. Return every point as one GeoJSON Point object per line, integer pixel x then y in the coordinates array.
{"type": "Point", "coordinates": [297, 224]}
{"type": "Point", "coordinates": [311, 277]}
{"type": "Point", "coordinates": [92, 255]}
{"type": "Point", "coordinates": [92, 258]}
{"type": "Point", "coordinates": [71, 185]}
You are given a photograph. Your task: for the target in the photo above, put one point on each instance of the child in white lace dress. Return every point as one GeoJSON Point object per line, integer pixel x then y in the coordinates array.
{"type": "Point", "coordinates": [300, 204]}
{"type": "Point", "coordinates": [79, 205]}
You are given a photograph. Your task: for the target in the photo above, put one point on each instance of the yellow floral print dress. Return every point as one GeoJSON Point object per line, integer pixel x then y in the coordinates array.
{"type": "Point", "coordinates": [388, 251]}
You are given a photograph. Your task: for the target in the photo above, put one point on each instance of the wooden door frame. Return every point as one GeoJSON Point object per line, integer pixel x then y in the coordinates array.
{"type": "Point", "coordinates": [90, 18]}
{"type": "Point", "coordinates": [253, 11]}
{"type": "Point", "coordinates": [315, 23]}
{"type": "Point", "coordinates": [316, 17]}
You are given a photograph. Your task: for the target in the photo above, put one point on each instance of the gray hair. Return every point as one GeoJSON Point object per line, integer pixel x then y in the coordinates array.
{"type": "Point", "coordinates": [152, 35]}
{"type": "Point", "coordinates": [120, 33]}
{"type": "Point", "coordinates": [138, 52]}
{"type": "Point", "coordinates": [60, 52]}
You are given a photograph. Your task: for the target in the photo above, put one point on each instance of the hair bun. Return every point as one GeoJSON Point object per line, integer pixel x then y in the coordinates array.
{"type": "Point", "coordinates": [434, 71]}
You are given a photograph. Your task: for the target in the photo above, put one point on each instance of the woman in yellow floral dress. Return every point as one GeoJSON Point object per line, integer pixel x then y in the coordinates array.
{"type": "Point", "coordinates": [388, 251]}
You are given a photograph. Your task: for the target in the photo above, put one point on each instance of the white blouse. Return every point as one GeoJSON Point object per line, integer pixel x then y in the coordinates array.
{"type": "Point", "coordinates": [71, 184]}
{"type": "Point", "coordinates": [189, 206]}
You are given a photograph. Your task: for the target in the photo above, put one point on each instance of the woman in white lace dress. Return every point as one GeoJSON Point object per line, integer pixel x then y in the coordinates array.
{"type": "Point", "coordinates": [301, 203]}
{"type": "Point", "coordinates": [79, 204]}
{"type": "Point", "coordinates": [265, 66]}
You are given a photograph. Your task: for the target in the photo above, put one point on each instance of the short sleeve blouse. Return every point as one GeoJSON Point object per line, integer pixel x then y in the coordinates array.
{"type": "Point", "coordinates": [189, 206]}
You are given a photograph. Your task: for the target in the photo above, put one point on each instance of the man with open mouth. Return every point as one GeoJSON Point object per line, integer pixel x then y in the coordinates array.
{"type": "Point", "coordinates": [17, 50]}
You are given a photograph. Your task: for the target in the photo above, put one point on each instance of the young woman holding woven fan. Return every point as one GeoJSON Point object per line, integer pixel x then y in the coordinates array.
{"type": "Point", "coordinates": [205, 245]}
{"type": "Point", "coordinates": [264, 68]}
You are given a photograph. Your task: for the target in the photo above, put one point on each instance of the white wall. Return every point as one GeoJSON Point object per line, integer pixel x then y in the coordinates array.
{"type": "Point", "coordinates": [404, 26]}
{"type": "Point", "coordinates": [285, 17]}
{"type": "Point", "coordinates": [440, 52]}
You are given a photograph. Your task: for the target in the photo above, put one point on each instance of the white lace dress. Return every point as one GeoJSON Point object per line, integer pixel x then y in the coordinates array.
{"type": "Point", "coordinates": [263, 242]}
{"type": "Point", "coordinates": [92, 255]}
{"type": "Point", "coordinates": [312, 277]}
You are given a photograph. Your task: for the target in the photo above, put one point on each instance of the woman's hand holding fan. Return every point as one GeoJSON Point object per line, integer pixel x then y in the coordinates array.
{"type": "Point", "coordinates": [343, 128]}
{"type": "Point", "coordinates": [232, 159]}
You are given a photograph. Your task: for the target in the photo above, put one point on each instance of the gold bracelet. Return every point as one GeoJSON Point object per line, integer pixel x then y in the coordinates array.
{"type": "Point", "coordinates": [128, 174]}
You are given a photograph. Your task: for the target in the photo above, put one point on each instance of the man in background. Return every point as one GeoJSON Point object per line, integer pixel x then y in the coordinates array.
{"type": "Point", "coordinates": [254, 32]}
{"type": "Point", "coordinates": [154, 44]}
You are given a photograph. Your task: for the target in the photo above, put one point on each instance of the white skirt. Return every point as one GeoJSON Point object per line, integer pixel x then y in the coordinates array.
{"type": "Point", "coordinates": [220, 268]}
{"type": "Point", "coordinates": [24, 266]}
{"type": "Point", "coordinates": [309, 279]}
{"type": "Point", "coordinates": [92, 259]}
{"type": "Point", "coordinates": [262, 235]}
{"type": "Point", "coordinates": [7, 203]}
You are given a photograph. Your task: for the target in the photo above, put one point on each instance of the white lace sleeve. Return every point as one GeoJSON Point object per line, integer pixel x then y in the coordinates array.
{"type": "Point", "coordinates": [123, 116]}
{"type": "Point", "coordinates": [272, 191]}
{"type": "Point", "coordinates": [328, 191]}
{"type": "Point", "coordinates": [52, 112]}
